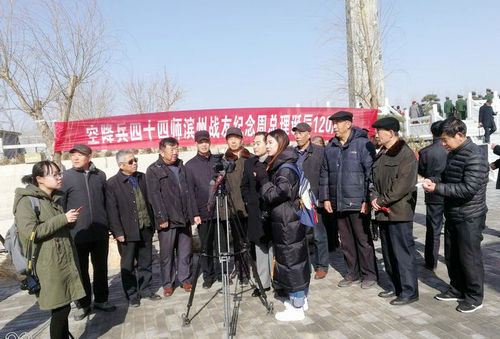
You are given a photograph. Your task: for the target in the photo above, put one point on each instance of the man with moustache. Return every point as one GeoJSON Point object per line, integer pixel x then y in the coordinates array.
{"type": "Point", "coordinates": [310, 160]}
{"type": "Point", "coordinates": [344, 178]}
{"type": "Point", "coordinates": [258, 229]}
{"type": "Point", "coordinates": [132, 224]}
{"type": "Point", "coordinates": [175, 210]}
{"type": "Point", "coordinates": [200, 171]}
{"type": "Point", "coordinates": [84, 186]}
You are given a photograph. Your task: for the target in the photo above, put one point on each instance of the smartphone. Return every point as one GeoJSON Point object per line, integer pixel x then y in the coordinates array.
{"type": "Point", "coordinates": [79, 209]}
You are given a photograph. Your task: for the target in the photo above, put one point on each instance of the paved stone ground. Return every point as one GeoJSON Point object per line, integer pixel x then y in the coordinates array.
{"type": "Point", "coordinates": [334, 312]}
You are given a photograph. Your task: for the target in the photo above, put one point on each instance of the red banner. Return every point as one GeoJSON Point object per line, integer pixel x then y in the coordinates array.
{"type": "Point", "coordinates": [146, 130]}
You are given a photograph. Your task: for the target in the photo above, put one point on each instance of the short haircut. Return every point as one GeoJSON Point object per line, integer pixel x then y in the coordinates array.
{"type": "Point", "coordinates": [319, 139]}
{"type": "Point", "coordinates": [452, 126]}
{"type": "Point", "coordinates": [120, 155]}
{"type": "Point", "coordinates": [264, 134]}
{"type": "Point", "coordinates": [168, 141]}
{"type": "Point", "coordinates": [436, 128]}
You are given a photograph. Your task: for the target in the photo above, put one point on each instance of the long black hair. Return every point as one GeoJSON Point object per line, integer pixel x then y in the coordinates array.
{"type": "Point", "coordinates": [40, 169]}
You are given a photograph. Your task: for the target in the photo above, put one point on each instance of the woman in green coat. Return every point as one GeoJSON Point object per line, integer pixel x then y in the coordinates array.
{"type": "Point", "coordinates": [56, 262]}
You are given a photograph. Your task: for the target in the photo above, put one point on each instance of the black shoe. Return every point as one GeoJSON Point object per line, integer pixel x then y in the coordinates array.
{"type": "Point", "coordinates": [153, 297]}
{"type": "Point", "coordinates": [105, 306]}
{"type": "Point", "coordinates": [465, 307]}
{"type": "Point", "coordinates": [256, 292]}
{"type": "Point", "coordinates": [134, 302]}
{"type": "Point", "coordinates": [81, 313]}
{"type": "Point", "coordinates": [403, 301]}
{"type": "Point", "coordinates": [448, 296]}
{"type": "Point", "coordinates": [387, 294]}
{"type": "Point", "coordinates": [207, 284]}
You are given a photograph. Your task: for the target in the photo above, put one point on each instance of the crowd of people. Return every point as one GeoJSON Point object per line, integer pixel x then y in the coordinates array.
{"type": "Point", "coordinates": [353, 177]}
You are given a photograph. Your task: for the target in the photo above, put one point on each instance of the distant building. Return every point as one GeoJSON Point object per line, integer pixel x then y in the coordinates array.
{"type": "Point", "coordinates": [10, 138]}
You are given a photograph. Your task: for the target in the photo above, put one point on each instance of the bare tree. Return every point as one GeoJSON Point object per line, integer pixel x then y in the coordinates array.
{"type": "Point", "coordinates": [153, 94]}
{"type": "Point", "coordinates": [356, 35]}
{"type": "Point", "coordinates": [94, 99]}
{"type": "Point", "coordinates": [47, 53]}
{"type": "Point", "coordinates": [21, 69]}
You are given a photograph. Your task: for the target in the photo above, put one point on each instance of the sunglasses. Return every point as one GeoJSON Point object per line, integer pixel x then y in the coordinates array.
{"type": "Point", "coordinates": [131, 161]}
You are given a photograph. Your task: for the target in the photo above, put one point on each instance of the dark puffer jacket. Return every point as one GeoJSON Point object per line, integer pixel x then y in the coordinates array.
{"type": "Point", "coordinates": [281, 194]}
{"type": "Point", "coordinates": [346, 171]}
{"type": "Point", "coordinates": [463, 182]}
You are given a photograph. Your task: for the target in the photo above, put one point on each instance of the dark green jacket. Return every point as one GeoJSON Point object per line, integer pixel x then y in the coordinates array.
{"type": "Point", "coordinates": [394, 176]}
{"type": "Point", "coordinates": [56, 265]}
{"type": "Point", "coordinates": [448, 108]}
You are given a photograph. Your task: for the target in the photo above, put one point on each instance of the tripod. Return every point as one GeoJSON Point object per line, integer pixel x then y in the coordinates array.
{"type": "Point", "coordinates": [224, 255]}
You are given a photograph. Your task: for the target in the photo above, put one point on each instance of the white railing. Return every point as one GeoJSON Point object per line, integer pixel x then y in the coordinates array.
{"type": "Point", "coordinates": [420, 127]}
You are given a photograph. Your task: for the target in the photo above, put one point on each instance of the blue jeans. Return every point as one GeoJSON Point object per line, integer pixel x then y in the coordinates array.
{"type": "Point", "coordinates": [297, 298]}
{"type": "Point", "coordinates": [320, 256]}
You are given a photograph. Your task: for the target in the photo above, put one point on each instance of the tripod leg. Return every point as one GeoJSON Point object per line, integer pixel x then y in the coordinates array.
{"type": "Point", "coordinates": [185, 317]}
{"type": "Point", "coordinates": [246, 258]}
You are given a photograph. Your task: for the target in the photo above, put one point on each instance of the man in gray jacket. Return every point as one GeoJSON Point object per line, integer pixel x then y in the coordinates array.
{"type": "Point", "coordinates": [84, 187]}
{"type": "Point", "coordinates": [309, 160]}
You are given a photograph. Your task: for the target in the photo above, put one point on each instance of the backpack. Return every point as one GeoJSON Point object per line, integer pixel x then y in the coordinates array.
{"type": "Point", "coordinates": [13, 243]}
{"type": "Point", "coordinates": [308, 202]}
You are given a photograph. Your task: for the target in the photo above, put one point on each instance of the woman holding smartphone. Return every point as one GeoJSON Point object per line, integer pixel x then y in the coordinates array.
{"type": "Point", "coordinates": [55, 263]}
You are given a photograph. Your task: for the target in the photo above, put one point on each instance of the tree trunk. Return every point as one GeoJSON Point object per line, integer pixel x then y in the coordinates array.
{"type": "Point", "coordinates": [44, 128]}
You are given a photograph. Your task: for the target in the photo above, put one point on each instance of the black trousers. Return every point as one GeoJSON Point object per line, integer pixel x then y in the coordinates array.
{"type": "Point", "coordinates": [488, 130]}
{"type": "Point", "coordinates": [207, 238]}
{"type": "Point", "coordinates": [98, 252]}
{"type": "Point", "coordinates": [59, 328]}
{"type": "Point", "coordinates": [398, 249]}
{"type": "Point", "coordinates": [357, 246]}
{"type": "Point", "coordinates": [462, 248]}
{"type": "Point", "coordinates": [137, 285]}
{"type": "Point", "coordinates": [434, 224]}
{"type": "Point", "coordinates": [239, 228]}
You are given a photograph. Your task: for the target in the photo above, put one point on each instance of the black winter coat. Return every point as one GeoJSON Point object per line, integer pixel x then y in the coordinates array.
{"type": "Point", "coordinates": [257, 232]}
{"type": "Point", "coordinates": [171, 201]}
{"type": "Point", "coordinates": [496, 150]}
{"type": "Point", "coordinates": [463, 182]}
{"type": "Point", "coordinates": [281, 194]}
{"type": "Point", "coordinates": [486, 114]}
{"type": "Point", "coordinates": [431, 163]}
{"type": "Point", "coordinates": [200, 171]}
{"type": "Point", "coordinates": [122, 208]}
{"type": "Point", "coordinates": [87, 189]}
{"type": "Point", "coordinates": [312, 166]}
{"type": "Point", "coordinates": [394, 176]}
{"type": "Point", "coordinates": [346, 170]}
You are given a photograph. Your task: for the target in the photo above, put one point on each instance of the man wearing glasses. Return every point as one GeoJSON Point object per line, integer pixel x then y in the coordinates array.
{"type": "Point", "coordinates": [174, 210]}
{"type": "Point", "coordinates": [132, 223]}
{"type": "Point", "coordinates": [84, 188]}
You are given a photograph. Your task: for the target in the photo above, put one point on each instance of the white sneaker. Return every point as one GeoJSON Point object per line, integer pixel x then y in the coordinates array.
{"type": "Point", "coordinates": [305, 306]}
{"type": "Point", "coordinates": [291, 314]}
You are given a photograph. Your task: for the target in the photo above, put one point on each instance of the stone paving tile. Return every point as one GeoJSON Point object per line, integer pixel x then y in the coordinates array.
{"type": "Point", "coordinates": [334, 312]}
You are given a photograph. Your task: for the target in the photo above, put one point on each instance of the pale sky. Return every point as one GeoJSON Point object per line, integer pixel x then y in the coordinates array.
{"type": "Point", "coordinates": [237, 54]}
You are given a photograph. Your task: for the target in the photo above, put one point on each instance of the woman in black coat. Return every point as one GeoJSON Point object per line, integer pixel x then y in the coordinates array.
{"type": "Point", "coordinates": [280, 191]}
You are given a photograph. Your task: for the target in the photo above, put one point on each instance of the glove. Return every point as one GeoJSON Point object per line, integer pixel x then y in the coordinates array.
{"type": "Point", "coordinates": [261, 173]}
